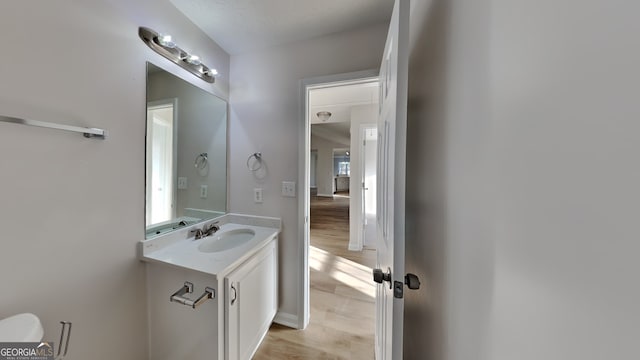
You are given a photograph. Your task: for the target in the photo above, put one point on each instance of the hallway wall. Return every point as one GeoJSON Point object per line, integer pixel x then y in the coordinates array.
{"type": "Point", "coordinates": [325, 168]}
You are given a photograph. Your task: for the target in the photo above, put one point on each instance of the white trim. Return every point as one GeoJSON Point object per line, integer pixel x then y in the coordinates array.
{"type": "Point", "coordinates": [304, 146]}
{"type": "Point", "coordinates": [356, 211]}
{"type": "Point", "coordinates": [325, 195]}
{"type": "Point", "coordinates": [151, 105]}
{"type": "Point", "coordinates": [286, 319]}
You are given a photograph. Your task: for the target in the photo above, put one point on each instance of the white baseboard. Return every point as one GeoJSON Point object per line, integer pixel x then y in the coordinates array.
{"type": "Point", "coordinates": [286, 319]}
{"type": "Point", "coordinates": [354, 247]}
{"type": "Point", "coordinates": [324, 195]}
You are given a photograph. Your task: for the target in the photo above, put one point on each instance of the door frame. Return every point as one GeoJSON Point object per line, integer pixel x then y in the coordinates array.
{"type": "Point", "coordinates": [304, 201]}
{"type": "Point", "coordinates": [154, 104]}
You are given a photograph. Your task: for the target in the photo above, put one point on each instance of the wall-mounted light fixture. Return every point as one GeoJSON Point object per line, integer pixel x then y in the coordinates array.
{"type": "Point", "coordinates": [323, 115]}
{"type": "Point", "coordinates": [164, 45]}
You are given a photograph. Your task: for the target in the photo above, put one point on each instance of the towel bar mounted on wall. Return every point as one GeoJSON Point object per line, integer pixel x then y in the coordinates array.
{"type": "Point", "coordinates": [92, 133]}
{"type": "Point", "coordinates": [66, 331]}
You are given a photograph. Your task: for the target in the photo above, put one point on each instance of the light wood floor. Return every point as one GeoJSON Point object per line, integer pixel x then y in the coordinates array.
{"type": "Point", "coordinates": [342, 294]}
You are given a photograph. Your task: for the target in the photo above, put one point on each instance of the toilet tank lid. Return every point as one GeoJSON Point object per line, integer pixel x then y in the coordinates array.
{"type": "Point", "coordinates": [24, 327]}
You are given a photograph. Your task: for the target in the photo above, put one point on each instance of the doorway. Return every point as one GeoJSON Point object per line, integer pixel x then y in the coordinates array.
{"type": "Point", "coordinates": [161, 172]}
{"type": "Point", "coordinates": [329, 185]}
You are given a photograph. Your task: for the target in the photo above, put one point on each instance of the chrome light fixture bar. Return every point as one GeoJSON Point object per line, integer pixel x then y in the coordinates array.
{"type": "Point", "coordinates": [163, 44]}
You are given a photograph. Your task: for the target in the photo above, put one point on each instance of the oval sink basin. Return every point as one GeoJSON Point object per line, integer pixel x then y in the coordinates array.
{"type": "Point", "coordinates": [226, 240]}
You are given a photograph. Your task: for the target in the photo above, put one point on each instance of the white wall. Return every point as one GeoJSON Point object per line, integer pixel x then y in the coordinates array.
{"type": "Point", "coordinates": [325, 169]}
{"type": "Point", "coordinates": [265, 116]}
{"type": "Point", "coordinates": [522, 161]}
{"type": "Point", "coordinates": [360, 115]}
{"type": "Point", "coordinates": [565, 85]}
{"type": "Point", "coordinates": [73, 208]}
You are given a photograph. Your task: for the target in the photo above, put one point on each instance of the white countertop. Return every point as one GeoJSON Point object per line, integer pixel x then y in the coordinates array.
{"type": "Point", "coordinates": [184, 253]}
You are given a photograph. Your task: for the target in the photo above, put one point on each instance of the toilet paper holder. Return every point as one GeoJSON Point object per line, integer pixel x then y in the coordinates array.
{"type": "Point", "coordinates": [66, 325]}
{"type": "Point", "coordinates": [187, 288]}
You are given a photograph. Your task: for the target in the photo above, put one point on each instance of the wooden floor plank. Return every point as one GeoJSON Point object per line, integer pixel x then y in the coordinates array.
{"type": "Point", "coordinates": [342, 323]}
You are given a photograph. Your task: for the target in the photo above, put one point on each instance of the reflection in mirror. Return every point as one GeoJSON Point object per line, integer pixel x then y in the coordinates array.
{"type": "Point", "coordinates": [186, 152]}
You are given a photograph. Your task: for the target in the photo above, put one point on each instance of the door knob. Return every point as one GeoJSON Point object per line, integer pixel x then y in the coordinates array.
{"type": "Point", "coordinates": [412, 281]}
{"type": "Point", "coordinates": [379, 276]}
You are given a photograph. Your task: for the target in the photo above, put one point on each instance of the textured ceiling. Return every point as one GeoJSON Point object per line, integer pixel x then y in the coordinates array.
{"type": "Point", "coordinates": [242, 25]}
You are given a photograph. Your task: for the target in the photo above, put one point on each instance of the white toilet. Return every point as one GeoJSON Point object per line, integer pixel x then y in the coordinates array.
{"type": "Point", "coordinates": [21, 328]}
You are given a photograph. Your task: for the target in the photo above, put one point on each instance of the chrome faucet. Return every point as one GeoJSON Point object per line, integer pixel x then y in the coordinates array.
{"type": "Point", "coordinates": [198, 232]}
{"type": "Point", "coordinates": [205, 231]}
{"type": "Point", "coordinates": [210, 230]}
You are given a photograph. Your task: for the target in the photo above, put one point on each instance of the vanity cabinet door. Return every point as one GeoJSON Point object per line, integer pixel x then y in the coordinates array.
{"type": "Point", "coordinates": [250, 302]}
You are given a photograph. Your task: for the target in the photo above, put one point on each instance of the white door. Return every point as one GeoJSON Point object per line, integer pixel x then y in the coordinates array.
{"type": "Point", "coordinates": [392, 123]}
{"type": "Point", "coordinates": [369, 154]}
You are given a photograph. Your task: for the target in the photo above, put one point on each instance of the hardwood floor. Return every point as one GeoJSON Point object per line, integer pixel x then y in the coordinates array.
{"type": "Point", "coordinates": [342, 294]}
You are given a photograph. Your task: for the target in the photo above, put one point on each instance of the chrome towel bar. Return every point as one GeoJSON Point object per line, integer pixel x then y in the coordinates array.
{"type": "Point", "coordinates": [179, 297]}
{"type": "Point", "coordinates": [87, 132]}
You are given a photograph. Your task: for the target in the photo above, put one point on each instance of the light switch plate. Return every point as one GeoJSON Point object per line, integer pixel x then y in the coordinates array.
{"type": "Point", "coordinates": [289, 188]}
{"type": "Point", "coordinates": [203, 191]}
{"type": "Point", "coordinates": [182, 183]}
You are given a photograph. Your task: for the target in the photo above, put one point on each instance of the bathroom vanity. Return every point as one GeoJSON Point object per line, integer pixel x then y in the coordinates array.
{"type": "Point", "coordinates": [214, 297]}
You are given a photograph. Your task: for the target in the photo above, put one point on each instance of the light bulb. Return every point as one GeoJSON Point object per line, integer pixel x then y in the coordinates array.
{"type": "Point", "coordinates": [166, 41]}
{"type": "Point", "coordinates": [194, 60]}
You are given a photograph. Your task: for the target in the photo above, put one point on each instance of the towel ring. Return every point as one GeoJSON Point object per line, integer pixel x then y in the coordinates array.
{"type": "Point", "coordinates": [201, 161]}
{"type": "Point", "coordinates": [258, 160]}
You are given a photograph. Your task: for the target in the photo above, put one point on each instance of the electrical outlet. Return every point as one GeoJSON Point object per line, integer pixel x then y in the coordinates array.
{"type": "Point", "coordinates": [203, 191]}
{"type": "Point", "coordinates": [182, 183]}
{"type": "Point", "coordinates": [289, 188]}
{"type": "Point", "coordinates": [257, 195]}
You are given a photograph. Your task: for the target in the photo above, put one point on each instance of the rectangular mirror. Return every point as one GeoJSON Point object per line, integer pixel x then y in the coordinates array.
{"type": "Point", "coordinates": [186, 153]}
